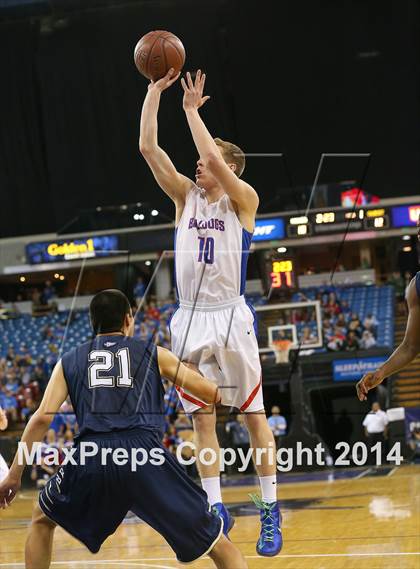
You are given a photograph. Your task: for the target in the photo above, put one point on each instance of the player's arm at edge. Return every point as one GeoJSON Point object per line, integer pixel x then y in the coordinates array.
{"type": "Point", "coordinates": [406, 351]}
{"type": "Point", "coordinates": [179, 374]}
{"type": "Point", "coordinates": [174, 184]}
{"type": "Point", "coordinates": [54, 396]}
{"type": "Point", "coordinates": [3, 420]}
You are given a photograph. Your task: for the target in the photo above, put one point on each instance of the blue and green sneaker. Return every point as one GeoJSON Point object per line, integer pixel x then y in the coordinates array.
{"type": "Point", "coordinates": [270, 541]}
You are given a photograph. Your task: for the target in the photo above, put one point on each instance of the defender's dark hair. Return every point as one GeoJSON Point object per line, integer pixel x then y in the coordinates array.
{"type": "Point", "coordinates": [107, 311]}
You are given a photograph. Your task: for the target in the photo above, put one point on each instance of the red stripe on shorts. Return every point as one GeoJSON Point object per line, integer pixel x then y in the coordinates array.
{"type": "Point", "coordinates": [251, 397]}
{"type": "Point", "coordinates": [190, 398]}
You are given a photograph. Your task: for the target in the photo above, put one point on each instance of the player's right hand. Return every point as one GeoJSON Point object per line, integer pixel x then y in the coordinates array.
{"type": "Point", "coordinates": [369, 381]}
{"type": "Point", "coordinates": [8, 490]}
{"type": "Point", "coordinates": [165, 82]}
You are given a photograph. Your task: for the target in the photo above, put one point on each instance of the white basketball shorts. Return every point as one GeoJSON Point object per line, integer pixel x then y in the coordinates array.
{"type": "Point", "coordinates": [221, 340]}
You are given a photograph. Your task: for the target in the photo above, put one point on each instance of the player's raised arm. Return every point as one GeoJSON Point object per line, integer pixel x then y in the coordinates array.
{"type": "Point", "coordinates": [406, 351]}
{"type": "Point", "coordinates": [169, 179]}
{"type": "Point", "coordinates": [226, 174]}
{"type": "Point", "coordinates": [175, 371]}
{"type": "Point", "coordinates": [54, 396]}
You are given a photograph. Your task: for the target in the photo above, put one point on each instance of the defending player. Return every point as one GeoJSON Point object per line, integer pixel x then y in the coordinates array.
{"type": "Point", "coordinates": [114, 383]}
{"type": "Point", "coordinates": [4, 470]}
{"type": "Point", "coordinates": [406, 351]}
{"type": "Point", "coordinates": [213, 327]}
{"type": "Point", "coordinates": [409, 347]}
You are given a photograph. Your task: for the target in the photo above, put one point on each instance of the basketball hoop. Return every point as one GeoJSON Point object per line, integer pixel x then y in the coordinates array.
{"type": "Point", "coordinates": [281, 350]}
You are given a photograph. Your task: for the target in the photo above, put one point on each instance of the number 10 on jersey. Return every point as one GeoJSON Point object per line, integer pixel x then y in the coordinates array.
{"type": "Point", "coordinates": [206, 250]}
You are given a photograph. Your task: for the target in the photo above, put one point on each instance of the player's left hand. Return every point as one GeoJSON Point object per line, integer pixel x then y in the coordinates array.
{"type": "Point", "coordinates": [8, 490]}
{"type": "Point", "coordinates": [193, 91]}
{"type": "Point", "coordinates": [369, 381]}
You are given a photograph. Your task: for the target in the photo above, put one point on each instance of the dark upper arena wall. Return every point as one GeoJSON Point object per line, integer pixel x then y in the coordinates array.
{"type": "Point", "coordinates": [302, 80]}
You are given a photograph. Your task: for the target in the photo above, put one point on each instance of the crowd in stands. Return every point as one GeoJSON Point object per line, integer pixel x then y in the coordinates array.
{"type": "Point", "coordinates": [343, 329]}
{"type": "Point", "coordinates": [22, 381]}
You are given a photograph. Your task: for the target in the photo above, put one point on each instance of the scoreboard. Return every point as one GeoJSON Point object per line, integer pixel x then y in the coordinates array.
{"type": "Point", "coordinates": [361, 219]}
{"type": "Point", "coordinates": [280, 271]}
{"type": "Point", "coordinates": [338, 221]}
{"type": "Point", "coordinates": [282, 275]}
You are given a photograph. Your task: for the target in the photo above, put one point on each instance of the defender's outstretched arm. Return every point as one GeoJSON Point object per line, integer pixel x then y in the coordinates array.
{"type": "Point", "coordinates": [54, 396]}
{"type": "Point", "coordinates": [169, 179]}
{"type": "Point", "coordinates": [187, 378]}
{"type": "Point", "coordinates": [406, 351]}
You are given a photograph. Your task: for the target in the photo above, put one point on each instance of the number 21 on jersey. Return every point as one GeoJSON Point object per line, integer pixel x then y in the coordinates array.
{"type": "Point", "coordinates": [206, 250]}
{"type": "Point", "coordinates": [103, 361]}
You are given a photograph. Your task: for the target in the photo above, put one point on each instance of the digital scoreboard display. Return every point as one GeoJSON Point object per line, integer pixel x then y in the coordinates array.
{"type": "Point", "coordinates": [282, 275]}
{"type": "Point", "coordinates": [338, 221]}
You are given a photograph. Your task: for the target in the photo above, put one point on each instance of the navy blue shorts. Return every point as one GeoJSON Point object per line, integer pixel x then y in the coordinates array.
{"type": "Point", "coordinates": [91, 501]}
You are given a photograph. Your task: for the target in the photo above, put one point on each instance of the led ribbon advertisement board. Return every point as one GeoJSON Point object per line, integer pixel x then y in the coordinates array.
{"type": "Point", "coordinates": [354, 369]}
{"type": "Point", "coordinates": [71, 249]}
{"type": "Point", "coordinates": [405, 215]}
{"type": "Point", "coordinates": [269, 229]}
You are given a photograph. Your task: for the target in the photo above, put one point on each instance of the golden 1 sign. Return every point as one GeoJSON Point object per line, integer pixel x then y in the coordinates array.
{"type": "Point", "coordinates": [69, 250]}
{"type": "Point", "coordinates": [72, 250]}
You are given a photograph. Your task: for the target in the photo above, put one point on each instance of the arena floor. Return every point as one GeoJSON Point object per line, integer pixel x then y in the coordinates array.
{"type": "Point", "coordinates": [368, 520]}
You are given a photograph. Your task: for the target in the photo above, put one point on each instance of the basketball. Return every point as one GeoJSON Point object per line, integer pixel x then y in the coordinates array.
{"type": "Point", "coordinates": [158, 51]}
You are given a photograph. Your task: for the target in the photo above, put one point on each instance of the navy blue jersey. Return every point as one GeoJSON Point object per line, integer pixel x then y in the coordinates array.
{"type": "Point", "coordinates": [114, 384]}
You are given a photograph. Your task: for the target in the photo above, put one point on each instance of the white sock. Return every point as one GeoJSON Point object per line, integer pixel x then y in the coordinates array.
{"type": "Point", "coordinates": [212, 488]}
{"type": "Point", "coordinates": [268, 488]}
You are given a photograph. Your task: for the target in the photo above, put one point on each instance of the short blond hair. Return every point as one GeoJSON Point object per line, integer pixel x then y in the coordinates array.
{"type": "Point", "coordinates": [232, 154]}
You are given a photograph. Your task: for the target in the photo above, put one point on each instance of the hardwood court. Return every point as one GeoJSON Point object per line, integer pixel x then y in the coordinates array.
{"type": "Point", "coordinates": [366, 522]}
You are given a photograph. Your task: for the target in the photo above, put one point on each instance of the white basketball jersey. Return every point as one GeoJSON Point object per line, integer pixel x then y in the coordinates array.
{"type": "Point", "coordinates": [211, 251]}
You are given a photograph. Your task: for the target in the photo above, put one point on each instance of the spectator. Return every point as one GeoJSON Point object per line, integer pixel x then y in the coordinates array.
{"type": "Point", "coordinates": [173, 439]}
{"type": "Point", "coordinates": [277, 424]}
{"type": "Point", "coordinates": [28, 410]}
{"type": "Point", "coordinates": [371, 323]}
{"type": "Point", "coordinates": [41, 473]}
{"type": "Point", "coordinates": [368, 341]}
{"type": "Point", "coordinates": [398, 283]}
{"type": "Point", "coordinates": [351, 342]}
{"type": "Point", "coordinates": [341, 322]}
{"type": "Point", "coordinates": [239, 436]}
{"type": "Point", "coordinates": [355, 325]}
{"type": "Point", "coordinates": [333, 307]}
{"type": "Point", "coordinates": [152, 311]}
{"type": "Point", "coordinates": [139, 290]}
{"type": "Point", "coordinates": [307, 336]}
{"type": "Point", "coordinates": [327, 327]}
{"type": "Point", "coordinates": [376, 425]}
{"type": "Point", "coordinates": [336, 341]}
{"type": "Point", "coordinates": [49, 293]}
{"type": "Point", "coordinates": [345, 308]}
